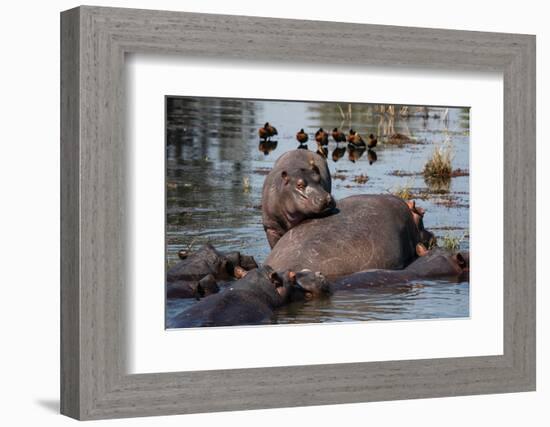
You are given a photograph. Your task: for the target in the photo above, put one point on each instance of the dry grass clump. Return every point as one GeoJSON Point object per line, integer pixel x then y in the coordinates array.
{"type": "Point", "coordinates": [403, 192]}
{"type": "Point", "coordinates": [246, 184]}
{"type": "Point", "coordinates": [439, 165]}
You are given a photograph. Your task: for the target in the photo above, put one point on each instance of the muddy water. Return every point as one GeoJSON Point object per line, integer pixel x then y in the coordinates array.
{"type": "Point", "coordinates": [216, 167]}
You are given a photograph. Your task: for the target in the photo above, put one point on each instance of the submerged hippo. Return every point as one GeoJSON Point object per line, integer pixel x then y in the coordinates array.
{"type": "Point", "coordinates": [369, 231]}
{"type": "Point", "coordinates": [248, 301]}
{"type": "Point", "coordinates": [434, 264]}
{"type": "Point", "coordinates": [197, 274]}
{"type": "Point", "coordinates": [298, 187]}
{"type": "Point", "coordinates": [192, 288]}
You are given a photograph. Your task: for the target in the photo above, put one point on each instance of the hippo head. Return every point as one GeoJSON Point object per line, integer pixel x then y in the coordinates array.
{"type": "Point", "coordinates": [207, 286]}
{"type": "Point", "coordinates": [441, 262]}
{"type": "Point", "coordinates": [427, 238]}
{"type": "Point", "coordinates": [303, 195]}
{"type": "Point", "coordinates": [308, 285]}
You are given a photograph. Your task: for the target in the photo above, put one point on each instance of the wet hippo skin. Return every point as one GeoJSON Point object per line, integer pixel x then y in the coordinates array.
{"type": "Point", "coordinates": [298, 187]}
{"type": "Point", "coordinates": [192, 288]}
{"type": "Point", "coordinates": [248, 301]}
{"type": "Point", "coordinates": [367, 232]}
{"type": "Point", "coordinates": [197, 275]}
{"type": "Point", "coordinates": [436, 264]}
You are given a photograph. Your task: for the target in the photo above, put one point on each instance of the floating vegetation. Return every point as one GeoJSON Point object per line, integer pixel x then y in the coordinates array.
{"type": "Point", "coordinates": [361, 179]}
{"type": "Point", "coordinates": [460, 172]}
{"type": "Point", "coordinates": [340, 176]}
{"type": "Point", "coordinates": [246, 184]}
{"type": "Point", "coordinates": [451, 243]}
{"type": "Point", "coordinates": [399, 139]}
{"type": "Point", "coordinates": [439, 165]}
{"type": "Point", "coordinates": [399, 172]}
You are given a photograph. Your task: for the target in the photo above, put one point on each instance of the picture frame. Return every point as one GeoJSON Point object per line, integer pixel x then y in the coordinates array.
{"type": "Point", "coordinates": [94, 42]}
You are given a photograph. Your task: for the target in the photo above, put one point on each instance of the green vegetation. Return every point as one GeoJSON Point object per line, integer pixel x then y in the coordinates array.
{"type": "Point", "coordinates": [451, 243]}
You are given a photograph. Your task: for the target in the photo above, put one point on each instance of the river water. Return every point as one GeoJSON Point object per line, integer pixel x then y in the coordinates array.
{"type": "Point", "coordinates": [215, 168]}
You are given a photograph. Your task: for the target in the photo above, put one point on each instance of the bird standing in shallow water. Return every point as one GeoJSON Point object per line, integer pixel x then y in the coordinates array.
{"type": "Point", "coordinates": [267, 131]}
{"type": "Point", "coordinates": [373, 141]}
{"type": "Point", "coordinates": [355, 139]}
{"type": "Point", "coordinates": [321, 137]}
{"type": "Point", "coordinates": [302, 137]}
{"type": "Point", "coordinates": [338, 136]}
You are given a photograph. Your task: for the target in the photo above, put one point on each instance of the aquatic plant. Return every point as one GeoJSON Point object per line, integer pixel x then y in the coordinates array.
{"type": "Point", "coordinates": [403, 192]}
{"type": "Point", "coordinates": [361, 179]}
{"type": "Point", "coordinates": [246, 184]}
{"type": "Point", "coordinates": [439, 165]}
{"type": "Point", "coordinates": [451, 243]}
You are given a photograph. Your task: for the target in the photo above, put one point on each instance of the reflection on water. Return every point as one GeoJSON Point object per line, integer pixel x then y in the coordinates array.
{"type": "Point", "coordinates": [216, 165]}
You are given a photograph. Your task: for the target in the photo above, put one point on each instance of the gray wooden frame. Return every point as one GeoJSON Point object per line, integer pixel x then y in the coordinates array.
{"type": "Point", "coordinates": [94, 41]}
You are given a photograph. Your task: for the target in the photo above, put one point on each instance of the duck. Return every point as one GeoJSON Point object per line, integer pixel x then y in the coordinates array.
{"type": "Point", "coordinates": [338, 136]}
{"type": "Point", "coordinates": [302, 137]}
{"type": "Point", "coordinates": [373, 141]}
{"type": "Point", "coordinates": [321, 137]}
{"type": "Point", "coordinates": [267, 131]}
{"type": "Point", "coordinates": [355, 139]}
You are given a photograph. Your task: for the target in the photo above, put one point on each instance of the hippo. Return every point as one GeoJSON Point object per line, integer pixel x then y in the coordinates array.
{"type": "Point", "coordinates": [434, 264]}
{"type": "Point", "coordinates": [417, 212]}
{"type": "Point", "coordinates": [248, 301]}
{"type": "Point", "coordinates": [192, 288]}
{"type": "Point", "coordinates": [197, 274]}
{"type": "Point", "coordinates": [298, 187]}
{"type": "Point", "coordinates": [368, 231]}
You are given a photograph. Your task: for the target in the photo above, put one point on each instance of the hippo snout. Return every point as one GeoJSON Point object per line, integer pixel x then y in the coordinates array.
{"type": "Point", "coordinates": [326, 202]}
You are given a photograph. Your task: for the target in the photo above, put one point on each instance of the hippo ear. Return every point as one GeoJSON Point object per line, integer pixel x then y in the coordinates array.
{"type": "Point", "coordinates": [411, 204]}
{"type": "Point", "coordinates": [239, 272]}
{"type": "Point", "coordinates": [275, 279]}
{"type": "Point", "coordinates": [284, 175]}
{"type": "Point", "coordinates": [421, 250]}
{"type": "Point", "coordinates": [292, 276]}
{"type": "Point", "coordinates": [460, 260]}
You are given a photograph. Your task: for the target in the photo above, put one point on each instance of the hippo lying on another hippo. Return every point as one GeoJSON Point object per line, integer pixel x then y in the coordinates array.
{"type": "Point", "coordinates": [298, 187]}
{"type": "Point", "coordinates": [248, 301]}
{"type": "Point", "coordinates": [253, 299]}
{"type": "Point", "coordinates": [369, 231]}
{"type": "Point", "coordinates": [197, 275]}
{"type": "Point", "coordinates": [435, 264]}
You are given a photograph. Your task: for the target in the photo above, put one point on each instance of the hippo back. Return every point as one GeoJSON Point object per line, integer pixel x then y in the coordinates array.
{"type": "Point", "coordinates": [369, 231]}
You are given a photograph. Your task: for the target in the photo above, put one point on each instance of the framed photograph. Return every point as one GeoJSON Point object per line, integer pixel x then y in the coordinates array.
{"type": "Point", "coordinates": [278, 213]}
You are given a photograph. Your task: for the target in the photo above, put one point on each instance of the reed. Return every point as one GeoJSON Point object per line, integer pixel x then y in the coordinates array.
{"type": "Point", "coordinates": [403, 191]}
{"type": "Point", "coordinates": [440, 164]}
